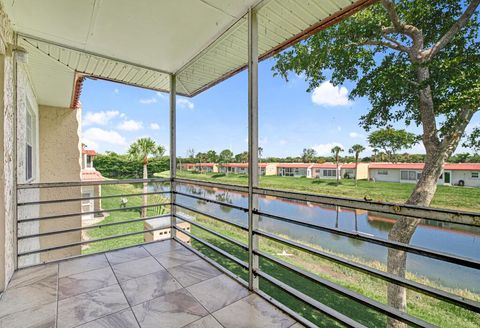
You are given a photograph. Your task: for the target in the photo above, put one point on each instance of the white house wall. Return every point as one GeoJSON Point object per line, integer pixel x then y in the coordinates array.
{"type": "Point", "coordinates": [466, 176]}
{"type": "Point", "coordinates": [392, 176]}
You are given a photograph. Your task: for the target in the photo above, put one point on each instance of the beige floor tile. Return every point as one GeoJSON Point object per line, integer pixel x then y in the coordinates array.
{"type": "Point", "coordinates": [174, 258]}
{"type": "Point", "coordinates": [173, 310]}
{"type": "Point", "coordinates": [149, 287]}
{"type": "Point", "coordinates": [206, 322]}
{"type": "Point", "coordinates": [82, 264]}
{"type": "Point", "coordinates": [126, 255]}
{"type": "Point", "coordinates": [194, 272]}
{"type": "Point", "coordinates": [137, 268]}
{"type": "Point", "coordinates": [85, 282]}
{"type": "Point", "coordinates": [29, 276]}
{"type": "Point", "coordinates": [218, 292]}
{"type": "Point", "coordinates": [252, 312]}
{"type": "Point", "coordinates": [163, 247]}
{"type": "Point", "coordinates": [122, 319]}
{"type": "Point", "coordinates": [89, 306]}
{"type": "Point", "coordinates": [22, 298]}
{"type": "Point", "coordinates": [40, 316]}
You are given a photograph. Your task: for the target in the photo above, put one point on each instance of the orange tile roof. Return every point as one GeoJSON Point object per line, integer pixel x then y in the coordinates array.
{"type": "Point", "coordinates": [92, 175]}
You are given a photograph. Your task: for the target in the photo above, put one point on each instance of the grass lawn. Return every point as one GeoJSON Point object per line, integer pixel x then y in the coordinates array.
{"type": "Point", "coordinates": [452, 197]}
{"type": "Point", "coordinates": [429, 309]}
{"type": "Point", "coordinates": [118, 216]}
{"type": "Point", "coordinates": [421, 306]}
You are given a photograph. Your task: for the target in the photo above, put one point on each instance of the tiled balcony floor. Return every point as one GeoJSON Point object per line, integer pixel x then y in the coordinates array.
{"type": "Point", "coordinates": [157, 285]}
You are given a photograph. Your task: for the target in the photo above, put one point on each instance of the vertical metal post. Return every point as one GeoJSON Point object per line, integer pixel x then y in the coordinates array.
{"type": "Point", "coordinates": [173, 150]}
{"type": "Point", "coordinates": [252, 145]}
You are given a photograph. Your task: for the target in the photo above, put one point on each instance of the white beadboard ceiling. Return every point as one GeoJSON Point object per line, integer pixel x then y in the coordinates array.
{"type": "Point", "coordinates": [141, 42]}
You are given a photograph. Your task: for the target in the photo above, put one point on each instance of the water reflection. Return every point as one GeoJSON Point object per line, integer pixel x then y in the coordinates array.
{"type": "Point", "coordinates": [440, 236]}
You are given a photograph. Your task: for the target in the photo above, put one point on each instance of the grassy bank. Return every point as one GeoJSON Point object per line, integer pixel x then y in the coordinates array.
{"type": "Point", "coordinates": [121, 216]}
{"type": "Point", "coordinates": [421, 306]}
{"type": "Point", "coordinates": [452, 197]}
{"type": "Point", "coordinates": [427, 308]}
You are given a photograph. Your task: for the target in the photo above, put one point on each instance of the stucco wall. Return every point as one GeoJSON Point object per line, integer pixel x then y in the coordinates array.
{"type": "Point", "coordinates": [7, 178]}
{"type": "Point", "coordinates": [60, 161]}
{"type": "Point", "coordinates": [466, 176]}
{"type": "Point", "coordinates": [392, 176]}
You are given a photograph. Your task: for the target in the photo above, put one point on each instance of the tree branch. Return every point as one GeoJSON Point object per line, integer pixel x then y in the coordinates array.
{"type": "Point", "coordinates": [457, 26]}
{"type": "Point", "coordinates": [392, 44]}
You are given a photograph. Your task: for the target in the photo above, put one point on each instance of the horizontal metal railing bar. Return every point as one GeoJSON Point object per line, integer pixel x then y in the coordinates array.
{"type": "Point", "coordinates": [65, 200]}
{"type": "Point", "coordinates": [54, 248]}
{"type": "Point", "coordinates": [94, 226]}
{"type": "Point", "coordinates": [435, 214]}
{"type": "Point", "coordinates": [285, 309]}
{"type": "Point", "coordinates": [244, 209]}
{"type": "Point", "coordinates": [388, 277]}
{"type": "Point", "coordinates": [212, 262]}
{"type": "Point", "coordinates": [460, 260]}
{"type": "Point", "coordinates": [225, 186]}
{"type": "Point", "coordinates": [117, 209]}
{"type": "Point", "coordinates": [380, 307]}
{"type": "Point", "coordinates": [87, 183]}
{"type": "Point", "coordinates": [90, 254]}
{"type": "Point", "coordinates": [213, 217]}
{"type": "Point", "coordinates": [335, 315]}
{"type": "Point", "coordinates": [213, 232]}
{"type": "Point", "coordinates": [215, 248]}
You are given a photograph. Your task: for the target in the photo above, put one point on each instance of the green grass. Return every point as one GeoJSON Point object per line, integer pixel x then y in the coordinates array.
{"type": "Point", "coordinates": [431, 310]}
{"type": "Point", "coordinates": [421, 306]}
{"type": "Point", "coordinates": [118, 216]}
{"type": "Point", "coordinates": [452, 197]}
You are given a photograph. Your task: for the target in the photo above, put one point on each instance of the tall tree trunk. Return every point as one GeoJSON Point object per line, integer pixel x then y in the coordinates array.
{"type": "Point", "coordinates": [145, 188]}
{"type": "Point", "coordinates": [437, 152]}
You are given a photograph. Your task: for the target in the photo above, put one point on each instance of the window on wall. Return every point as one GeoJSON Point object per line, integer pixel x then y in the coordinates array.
{"type": "Point", "coordinates": [329, 173]}
{"type": "Point", "coordinates": [30, 144]}
{"type": "Point", "coordinates": [474, 175]}
{"type": "Point", "coordinates": [382, 172]}
{"type": "Point", "coordinates": [409, 175]}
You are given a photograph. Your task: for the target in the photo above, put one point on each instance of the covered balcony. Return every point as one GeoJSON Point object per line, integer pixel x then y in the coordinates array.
{"type": "Point", "coordinates": [176, 252]}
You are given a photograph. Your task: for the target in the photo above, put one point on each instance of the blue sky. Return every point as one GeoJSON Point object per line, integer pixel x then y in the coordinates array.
{"type": "Point", "coordinates": [290, 119]}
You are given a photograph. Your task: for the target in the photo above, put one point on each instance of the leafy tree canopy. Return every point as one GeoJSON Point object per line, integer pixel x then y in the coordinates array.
{"type": "Point", "coordinates": [391, 141]}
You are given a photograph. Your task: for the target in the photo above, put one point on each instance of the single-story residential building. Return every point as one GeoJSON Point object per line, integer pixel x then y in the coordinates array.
{"type": "Point", "coordinates": [464, 174]}
{"type": "Point", "coordinates": [293, 169]}
{"type": "Point", "coordinates": [347, 171]}
{"type": "Point", "coordinates": [330, 171]}
{"type": "Point", "coordinates": [200, 167]}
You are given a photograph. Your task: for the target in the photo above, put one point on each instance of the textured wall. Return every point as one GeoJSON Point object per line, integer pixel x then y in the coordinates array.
{"type": "Point", "coordinates": [25, 95]}
{"type": "Point", "coordinates": [60, 161]}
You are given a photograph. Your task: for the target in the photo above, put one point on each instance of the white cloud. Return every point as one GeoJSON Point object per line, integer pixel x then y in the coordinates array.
{"type": "Point", "coordinates": [148, 101]}
{"type": "Point", "coordinates": [326, 94]}
{"type": "Point", "coordinates": [339, 128]}
{"type": "Point", "coordinates": [161, 95]}
{"type": "Point", "coordinates": [130, 125]}
{"type": "Point", "coordinates": [185, 103]}
{"type": "Point", "coordinates": [116, 91]}
{"type": "Point", "coordinates": [99, 118]}
{"type": "Point", "coordinates": [154, 126]}
{"type": "Point", "coordinates": [326, 149]}
{"type": "Point", "coordinates": [93, 136]}
{"type": "Point", "coordinates": [283, 142]}
{"type": "Point", "coordinates": [355, 135]}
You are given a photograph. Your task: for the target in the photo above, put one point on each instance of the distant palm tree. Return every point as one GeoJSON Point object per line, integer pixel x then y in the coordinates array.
{"type": "Point", "coordinates": [375, 154]}
{"type": "Point", "coordinates": [260, 153]}
{"type": "Point", "coordinates": [336, 152]}
{"type": "Point", "coordinates": [140, 150]}
{"type": "Point", "coordinates": [356, 149]}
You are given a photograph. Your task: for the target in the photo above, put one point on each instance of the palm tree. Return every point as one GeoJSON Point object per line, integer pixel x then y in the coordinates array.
{"type": "Point", "coordinates": [140, 150]}
{"type": "Point", "coordinates": [375, 153]}
{"type": "Point", "coordinates": [260, 153]}
{"type": "Point", "coordinates": [336, 152]}
{"type": "Point", "coordinates": [356, 149]}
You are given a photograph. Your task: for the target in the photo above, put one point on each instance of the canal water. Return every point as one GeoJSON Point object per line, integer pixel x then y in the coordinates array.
{"type": "Point", "coordinates": [445, 237]}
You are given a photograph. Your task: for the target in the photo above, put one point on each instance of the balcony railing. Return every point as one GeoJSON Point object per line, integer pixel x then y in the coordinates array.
{"type": "Point", "coordinates": [304, 262]}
